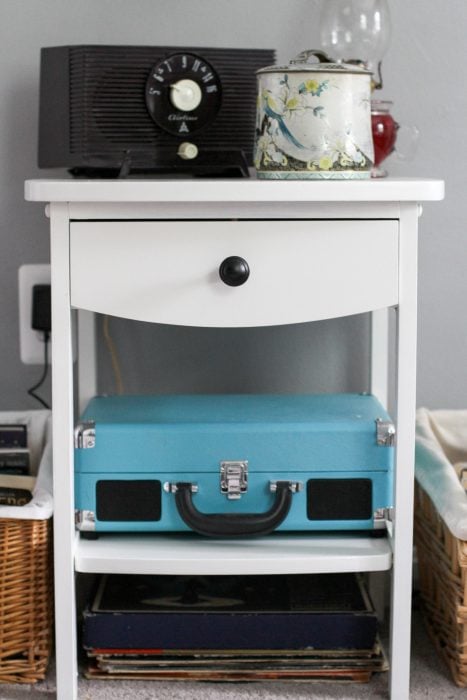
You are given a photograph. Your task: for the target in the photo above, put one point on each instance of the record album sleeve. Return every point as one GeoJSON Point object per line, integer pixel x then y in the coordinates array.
{"type": "Point", "coordinates": [321, 611]}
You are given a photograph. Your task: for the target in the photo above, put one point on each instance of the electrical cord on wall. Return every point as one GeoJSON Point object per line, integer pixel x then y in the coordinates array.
{"type": "Point", "coordinates": [113, 355]}
{"type": "Point", "coordinates": [32, 390]}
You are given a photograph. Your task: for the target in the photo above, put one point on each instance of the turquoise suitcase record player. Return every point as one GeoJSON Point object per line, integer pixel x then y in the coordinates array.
{"type": "Point", "coordinates": [233, 465]}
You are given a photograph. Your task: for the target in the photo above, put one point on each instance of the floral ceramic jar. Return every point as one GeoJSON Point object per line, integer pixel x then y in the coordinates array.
{"type": "Point", "coordinates": [314, 120]}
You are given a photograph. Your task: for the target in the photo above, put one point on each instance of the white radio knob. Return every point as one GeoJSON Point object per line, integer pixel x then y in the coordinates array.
{"type": "Point", "coordinates": [185, 95]}
{"type": "Point", "coordinates": [187, 150]}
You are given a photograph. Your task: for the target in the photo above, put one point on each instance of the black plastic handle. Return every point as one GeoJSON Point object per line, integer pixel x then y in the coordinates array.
{"type": "Point", "coordinates": [237, 524]}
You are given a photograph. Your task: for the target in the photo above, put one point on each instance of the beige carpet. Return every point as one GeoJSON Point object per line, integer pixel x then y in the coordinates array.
{"type": "Point", "coordinates": [429, 679]}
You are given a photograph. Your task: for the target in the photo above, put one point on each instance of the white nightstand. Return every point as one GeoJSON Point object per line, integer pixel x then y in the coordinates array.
{"type": "Point", "coordinates": [150, 250]}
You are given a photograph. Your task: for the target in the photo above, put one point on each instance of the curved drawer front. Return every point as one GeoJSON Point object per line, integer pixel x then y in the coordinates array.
{"type": "Point", "coordinates": [168, 271]}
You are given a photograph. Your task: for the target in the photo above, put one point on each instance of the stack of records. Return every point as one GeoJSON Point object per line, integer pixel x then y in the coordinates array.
{"type": "Point", "coordinates": [232, 628]}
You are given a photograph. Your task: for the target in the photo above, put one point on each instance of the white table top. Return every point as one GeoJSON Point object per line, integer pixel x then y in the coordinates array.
{"type": "Point", "coordinates": [234, 190]}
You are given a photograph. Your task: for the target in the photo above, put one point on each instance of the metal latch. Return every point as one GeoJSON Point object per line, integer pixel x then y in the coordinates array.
{"type": "Point", "coordinates": [234, 478]}
{"type": "Point", "coordinates": [385, 432]}
{"type": "Point", "coordinates": [85, 435]}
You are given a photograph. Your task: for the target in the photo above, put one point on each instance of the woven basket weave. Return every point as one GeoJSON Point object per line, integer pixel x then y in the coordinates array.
{"type": "Point", "coordinates": [442, 560]}
{"type": "Point", "coordinates": [26, 599]}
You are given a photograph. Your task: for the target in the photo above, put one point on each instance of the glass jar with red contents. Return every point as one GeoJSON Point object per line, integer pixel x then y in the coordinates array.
{"type": "Point", "coordinates": [386, 131]}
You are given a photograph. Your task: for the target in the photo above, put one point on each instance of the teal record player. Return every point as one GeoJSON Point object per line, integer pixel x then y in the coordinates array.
{"type": "Point", "coordinates": [233, 465]}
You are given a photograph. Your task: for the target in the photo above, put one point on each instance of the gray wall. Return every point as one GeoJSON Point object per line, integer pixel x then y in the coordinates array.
{"type": "Point", "coordinates": [423, 75]}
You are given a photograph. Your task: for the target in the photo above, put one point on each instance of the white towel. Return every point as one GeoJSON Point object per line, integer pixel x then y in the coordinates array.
{"type": "Point", "coordinates": [441, 442]}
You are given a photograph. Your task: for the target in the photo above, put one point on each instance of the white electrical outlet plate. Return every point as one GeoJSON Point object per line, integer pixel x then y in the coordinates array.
{"type": "Point", "coordinates": [31, 341]}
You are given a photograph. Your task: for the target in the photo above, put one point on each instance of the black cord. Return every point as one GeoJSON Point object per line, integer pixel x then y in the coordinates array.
{"type": "Point", "coordinates": [32, 390]}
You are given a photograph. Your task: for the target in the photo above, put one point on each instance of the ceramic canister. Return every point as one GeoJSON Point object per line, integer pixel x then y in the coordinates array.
{"type": "Point", "coordinates": [314, 120]}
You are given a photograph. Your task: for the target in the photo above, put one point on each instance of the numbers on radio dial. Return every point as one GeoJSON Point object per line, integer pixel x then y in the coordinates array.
{"type": "Point", "coordinates": [183, 93]}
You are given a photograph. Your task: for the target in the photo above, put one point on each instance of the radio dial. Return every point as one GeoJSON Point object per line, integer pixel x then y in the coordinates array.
{"type": "Point", "coordinates": [185, 95]}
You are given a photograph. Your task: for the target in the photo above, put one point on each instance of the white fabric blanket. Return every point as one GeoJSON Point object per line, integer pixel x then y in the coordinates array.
{"type": "Point", "coordinates": [441, 443]}
{"type": "Point", "coordinates": [39, 426]}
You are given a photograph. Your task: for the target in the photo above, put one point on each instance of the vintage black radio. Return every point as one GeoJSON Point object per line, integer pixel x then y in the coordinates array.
{"type": "Point", "coordinates": [112, 110]}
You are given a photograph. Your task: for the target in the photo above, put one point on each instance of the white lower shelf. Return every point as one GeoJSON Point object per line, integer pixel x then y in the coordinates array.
{"type": "Point", "coordinates": [192, 555]}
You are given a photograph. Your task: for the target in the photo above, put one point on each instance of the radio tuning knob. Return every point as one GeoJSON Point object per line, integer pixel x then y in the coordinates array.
{"type": "Point", "coordinates": [187, 150]}
{"type": "Point", "coordinates": [185, 95]}
{"type": "Point", "coordinates": [234, 271]}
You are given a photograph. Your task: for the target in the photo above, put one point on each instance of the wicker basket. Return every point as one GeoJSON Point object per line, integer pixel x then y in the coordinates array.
{"type": "Point", "coordinates": [442, 560]}
{"type": "Point", "coordinates": [26, 599]}
{"type": "Point", "coordinates": [26, 563]}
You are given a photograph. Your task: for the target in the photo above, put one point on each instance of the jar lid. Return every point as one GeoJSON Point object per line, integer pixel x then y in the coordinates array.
{"type": "Point", "coordinates": [324, 65]}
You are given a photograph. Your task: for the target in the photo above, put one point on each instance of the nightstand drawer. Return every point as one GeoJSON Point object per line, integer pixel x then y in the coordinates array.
{"type": "Point", "coordinates": [168, 271]}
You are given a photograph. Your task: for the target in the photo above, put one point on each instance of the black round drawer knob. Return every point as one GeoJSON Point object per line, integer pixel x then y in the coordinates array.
{"type": "Point", "coordinates": [234, 271]}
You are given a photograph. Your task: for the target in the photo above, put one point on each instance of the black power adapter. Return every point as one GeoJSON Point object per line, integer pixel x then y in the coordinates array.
{"type": "Point", "coordinates": [41, 319]}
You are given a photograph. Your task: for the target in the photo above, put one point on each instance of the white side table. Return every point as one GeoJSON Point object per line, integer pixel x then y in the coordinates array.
{"type": "Point", "coordinates": [150, 250]}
